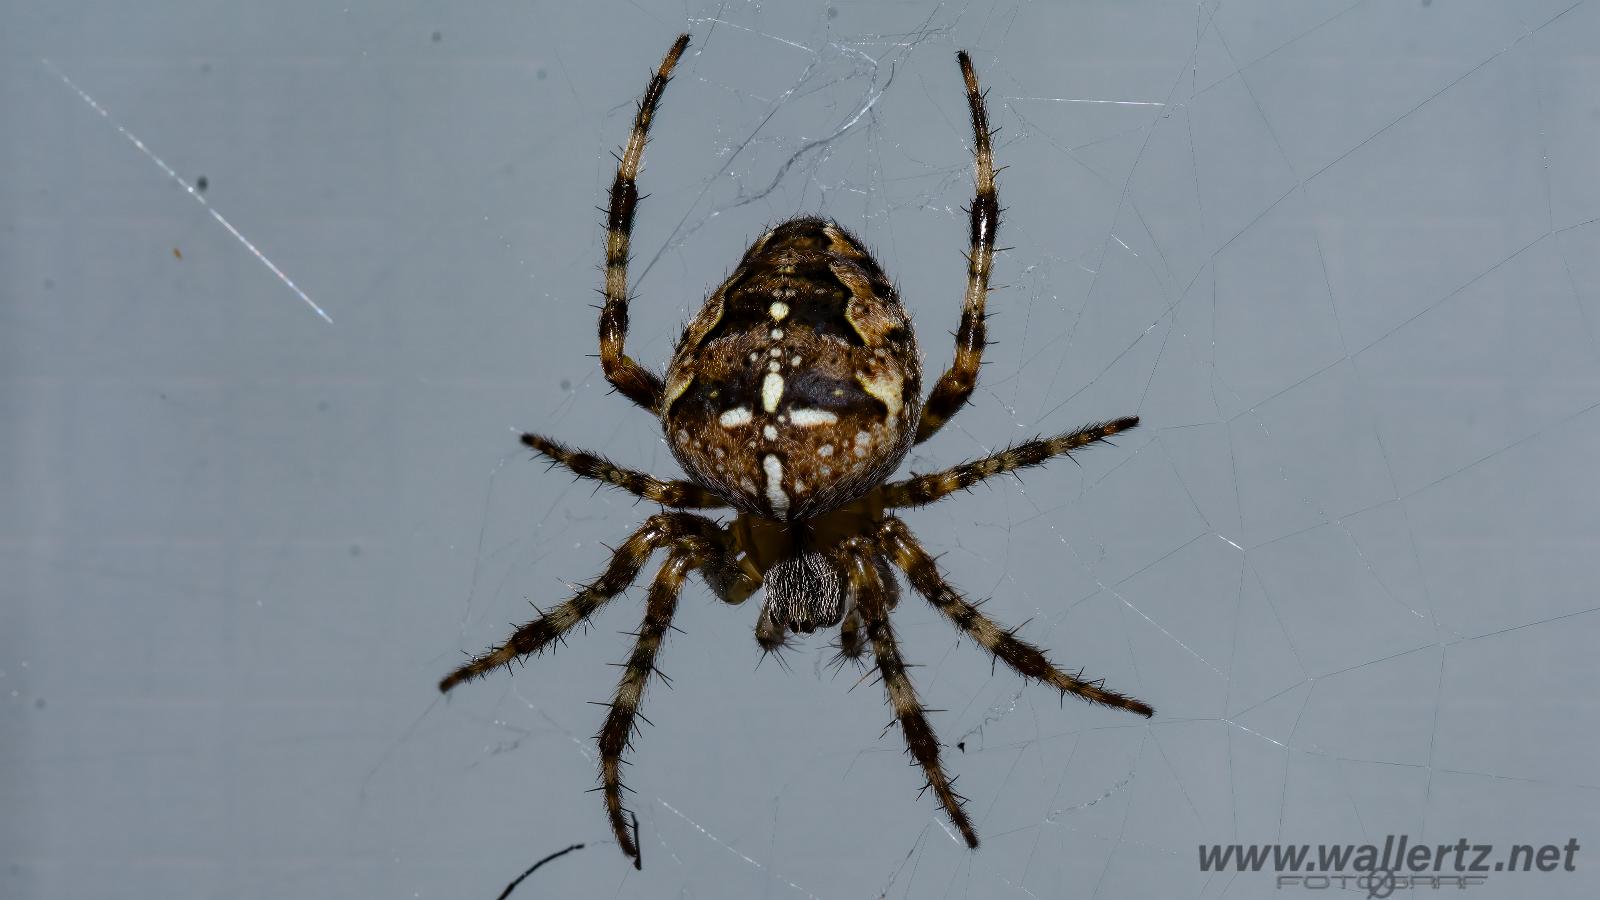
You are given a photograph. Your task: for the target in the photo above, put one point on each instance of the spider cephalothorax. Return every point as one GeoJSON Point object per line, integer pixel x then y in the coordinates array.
{"type": "Point", "coordinates": [793, 396]}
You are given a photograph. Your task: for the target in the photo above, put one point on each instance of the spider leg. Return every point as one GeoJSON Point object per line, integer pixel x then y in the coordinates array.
{"type": "Point", "coordinates": [920, 490]}
{"type": "Point", "coordinates": [852, 632]}
{"type": "Point", "coordinates": [660, 530]}
{"type": "Point", "coordinates": [633, 380]}
{"type": "Point", "coordinates": [1020, 655]}
{"type": "Point", "coordinates": [865, 575]}
{"type": "Point", "coordinates": [617, 733]}
{"type": "Point", "coordinates": [676, 493]}
{"type": "Point", "coordinates": [953, 388]}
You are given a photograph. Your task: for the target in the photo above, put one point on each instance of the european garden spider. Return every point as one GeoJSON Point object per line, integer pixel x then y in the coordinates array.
{"type": "Point", "coordinates": [792, 397]}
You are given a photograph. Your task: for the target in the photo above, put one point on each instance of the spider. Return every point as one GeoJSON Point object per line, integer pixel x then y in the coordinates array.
{"type": "Point", "coordinates": [791, 398]}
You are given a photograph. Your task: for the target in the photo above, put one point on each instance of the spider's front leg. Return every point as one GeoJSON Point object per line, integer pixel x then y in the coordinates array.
{"type": "Point", "coordinates": [633, 380]}
{"type": "Point", "coordinates": [953, 388]}
{"type": "Point", "coordinates": [661, 530]}
{"type": "Point", "coordinates": [864, 570]}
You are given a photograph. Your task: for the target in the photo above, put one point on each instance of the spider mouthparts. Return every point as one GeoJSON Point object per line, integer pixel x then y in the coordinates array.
{"type": "Point", "coordinates": [770, 635]}
{"type": "Point", "coordinates": [804, 592]}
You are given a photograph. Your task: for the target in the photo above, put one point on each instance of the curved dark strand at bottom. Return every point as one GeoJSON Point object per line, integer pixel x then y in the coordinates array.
{"type": "Point", "coordinates": [872, 599]}
{"type": "Point", "coordinates": [1015, 652]}
{"type": "Point", "coordinates": [616, 735]}
{"type": "Point", "coordinates": [584, 464]}
{"type": "Point", "coordinates": [660, 530]}
{"type": "Point", "coordinates": [534, 868]}
{"type": "Point", "coordinates": [920, 490]}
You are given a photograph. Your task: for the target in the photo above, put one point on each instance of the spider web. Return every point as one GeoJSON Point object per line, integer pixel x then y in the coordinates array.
{"type": "Point", "coordinates": [1339, 256]}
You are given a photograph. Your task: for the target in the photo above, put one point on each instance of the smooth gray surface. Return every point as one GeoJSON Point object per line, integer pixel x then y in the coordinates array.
{"type": "Point", "coordinates": [1340, 257]}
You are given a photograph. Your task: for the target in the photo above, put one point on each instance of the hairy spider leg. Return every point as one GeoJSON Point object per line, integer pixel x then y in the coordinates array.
{"type": "Point", "coordinates": [1028, 660]}
{"type": "Point", "coordinates": [866, 581]}
{"type": "Point", "coordinates": [631, 379]}
{"type": "Point", "coordinates": [586, 464]}
{"type": "Point", "coordinates": [616, 735]}
{"type": "Point", "coordinates": [920, 490]}
{"type": "Point", "coordinates": [660, 530]}
{"type": "Point", "coordinates": [953, 388]}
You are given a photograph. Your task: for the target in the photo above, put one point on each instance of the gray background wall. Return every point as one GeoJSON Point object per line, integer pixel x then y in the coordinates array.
{"type": "Point", "coordinates": [1342, 257]}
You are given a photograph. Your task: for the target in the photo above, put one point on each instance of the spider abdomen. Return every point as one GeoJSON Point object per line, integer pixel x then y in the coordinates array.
{"type": "Point", "coordinates": [797, 387]}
